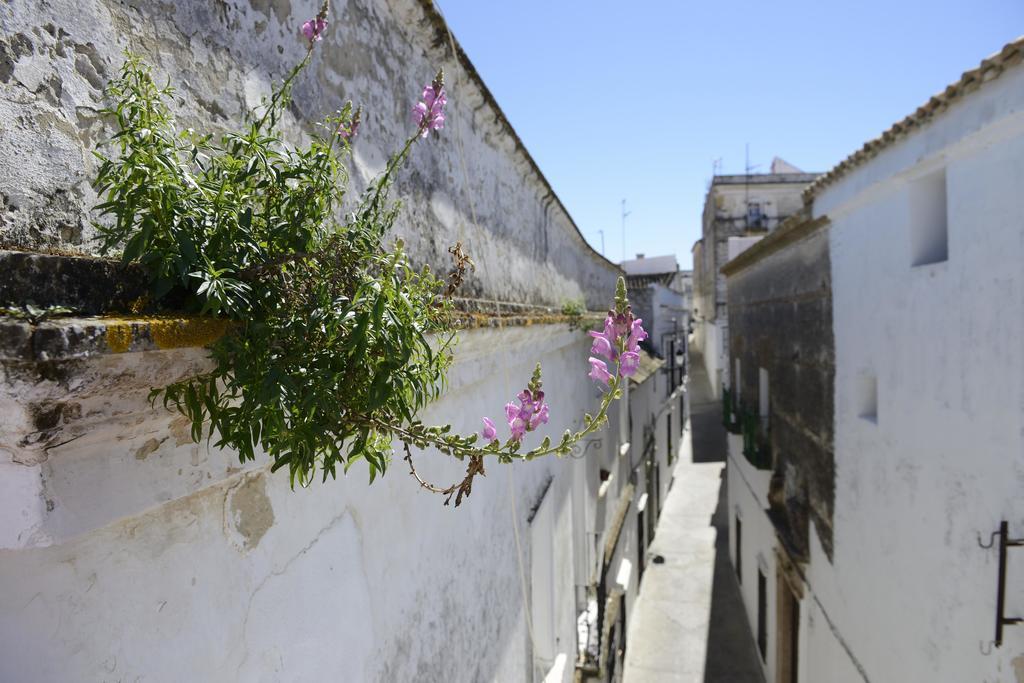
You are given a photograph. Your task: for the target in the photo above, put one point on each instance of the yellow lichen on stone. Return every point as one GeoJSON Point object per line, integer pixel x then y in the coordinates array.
{"type": "Point", "coordinates": [176, 333]}
{"type": "Point", "coordinates": [119, 336]}
{"type": "Point", "coordinates": [138, 305]}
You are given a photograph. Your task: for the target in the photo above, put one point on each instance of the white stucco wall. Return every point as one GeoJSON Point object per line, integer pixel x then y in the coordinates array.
{"type": "Point", "coordinates": [713, 353]}
{"type": "Point", "coordinates": [342, 581]}
{"type": "Point", "coordinates": [747, 489]}
{"type": "Point", "coordinates": [910, 590]}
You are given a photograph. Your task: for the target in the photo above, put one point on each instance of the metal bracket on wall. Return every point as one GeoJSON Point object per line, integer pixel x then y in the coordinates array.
{"type": "Point", "coordinates": [1004, 542]}
{"type": "Point", "coordinates": [580, 448]}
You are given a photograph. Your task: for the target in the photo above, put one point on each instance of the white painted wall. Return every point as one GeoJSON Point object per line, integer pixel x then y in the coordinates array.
{"type": "Point", "coordinates": [747, 489]}
{"type": "Point", "coordinates": [909, 590]}
{"type": "Point", "coordinates": [343, 581]}
{"type": "Point", "coordinates": [668, 305]}
{"type": "Point", "coordinates": [712, 350]}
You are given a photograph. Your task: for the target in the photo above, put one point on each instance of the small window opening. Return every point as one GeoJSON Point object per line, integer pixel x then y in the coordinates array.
{"type": "Point", "coordinates": [867, 397]}
{"type": "Point", "coordinates": [929, 232]}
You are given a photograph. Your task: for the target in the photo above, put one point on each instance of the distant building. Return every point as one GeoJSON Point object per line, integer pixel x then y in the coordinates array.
{"type": "Point", "coordinates": [660, 293]}
{"type": "Point", "coordinates": [876, 463]}
{"type": "Point", "coordinates": [735, 206]}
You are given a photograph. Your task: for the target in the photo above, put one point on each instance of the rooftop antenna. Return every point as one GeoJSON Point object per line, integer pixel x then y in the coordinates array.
{"type": "Point", "coordinates": [716, 167]}
{"type": "Point", "coordinates": [624, 214]}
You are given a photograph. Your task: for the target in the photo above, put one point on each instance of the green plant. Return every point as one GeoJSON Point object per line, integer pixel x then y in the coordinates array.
{"type": "Point", "coordinates": [574, 310]}
{"type": "Point", "coordinates": [339, 341]}
{"type": "Point", "coordinates": [35, 314]}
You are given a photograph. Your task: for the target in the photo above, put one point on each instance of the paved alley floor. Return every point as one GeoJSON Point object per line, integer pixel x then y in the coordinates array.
{"type": "Point", "coordinates": [688, 625]}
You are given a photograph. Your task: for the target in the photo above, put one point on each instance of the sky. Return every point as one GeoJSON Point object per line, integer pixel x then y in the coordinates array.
{"type": "Point", "coordinates": [637, 100]}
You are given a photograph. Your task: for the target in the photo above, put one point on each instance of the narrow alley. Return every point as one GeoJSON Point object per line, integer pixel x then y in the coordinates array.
{"type": "Point", "coordinates": [689, 625]}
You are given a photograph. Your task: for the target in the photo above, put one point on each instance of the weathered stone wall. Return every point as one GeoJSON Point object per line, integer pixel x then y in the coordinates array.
{"type": "Point", "coordinates": [780, 319]}
{"type": "Point", "coordinates": [474, 182]}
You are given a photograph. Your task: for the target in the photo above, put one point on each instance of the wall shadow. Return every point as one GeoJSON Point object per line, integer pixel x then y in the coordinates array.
{"type": "Point", "coordinates": [731, 655]}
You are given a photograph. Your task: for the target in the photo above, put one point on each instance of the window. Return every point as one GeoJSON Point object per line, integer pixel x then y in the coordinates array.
{"type": "Point", "coordinates": [867, 397]}
{"type": "Point", "coordinates": [755, 219]}
{"type": "Point", "coordinates": [739, 550]}
{"type": "Point", "coordinates": [668, 433]}
{"type": "Point", "coordinates": [929, 233]}
{"type": "Point", "coordinates": [736, 384]}
{"type": "Point", "coordinates": [762, 395]}
{"type": "Point", "coordinates": [762, 615]}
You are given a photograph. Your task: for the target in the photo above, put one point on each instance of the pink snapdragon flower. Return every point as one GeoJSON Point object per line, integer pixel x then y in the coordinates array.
{"type": "Point", "coordinates": [599, 371]}
{"type": "Point", "coordinates": [629, 363]}
{"type": "Point", "coordinates": [528, 415]}
{"type": "Point", "coordinates": [637, 334]}
{"type": "Point", "coordinates": [621, 322]}
{"type": "Point", "coordinates": [314, 29]}
{"type": "Point", "coordinates": [489, 432]}
{"type": "Point", "coordinates": [539, 418]}
{"type": "Point", "coordinates": [619, 341]}
{"type": "Point", "coordinates": [604, 342]}
{"type": "Point", "coordinates": [428, 115]}
{"type": "Point", "coordinates": [347, 129]}
{"type": "Point", "coordinates": [516, 424]}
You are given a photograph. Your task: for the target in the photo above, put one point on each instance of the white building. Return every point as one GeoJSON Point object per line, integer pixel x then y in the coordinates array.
{"type": "Point", "coordinates": [660, 293]}
{"type": "Point", "coordinates": [921, 236]}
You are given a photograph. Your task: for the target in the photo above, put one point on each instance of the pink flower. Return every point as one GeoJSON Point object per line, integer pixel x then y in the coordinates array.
{"type": "Point", "coordinates": [347, 130]}
{"type": "Point", "coordinates": [602, 345]}
{"type": "Point", "coordinates": [314, 29]}
{"type": "Point", "coordinates": [511, 412]}
{"type": "Point", "coordinates": [599, 371]}
{"type": "Point", "coordinates": [637, 334]}
{"type": "Point", "coordinates": [629, 363]}
{"type": "Point", "coordinates": [619, 323]}
{"type": "Point", "coordinates": [428, 115]}
{"type": "Point", "coordinates": [489, 432]}
{"type": "Point", "coordinates": [539, 418]}
{"type": "Point", "coordinates": [518, 428]}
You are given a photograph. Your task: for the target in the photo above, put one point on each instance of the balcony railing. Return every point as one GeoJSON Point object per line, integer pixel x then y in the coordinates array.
{"type": "Point", "coordinates": [757, 448]}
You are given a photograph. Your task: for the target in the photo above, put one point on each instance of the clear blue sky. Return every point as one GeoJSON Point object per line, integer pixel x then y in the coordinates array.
{"type": "Point", "coordinates": [635, 100]}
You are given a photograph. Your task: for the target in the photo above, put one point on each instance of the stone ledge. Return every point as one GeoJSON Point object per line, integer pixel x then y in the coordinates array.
{"type": "Point", "coordinates": [76, 338]}
{"type": "Point", "coordinates": [87, 285]}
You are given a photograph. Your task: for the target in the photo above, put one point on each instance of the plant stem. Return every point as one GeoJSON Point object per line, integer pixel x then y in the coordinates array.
{"type": "Point", "coordinates": [285, 87]}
